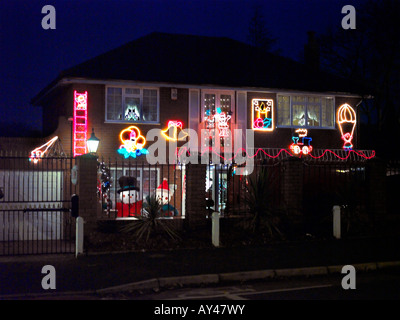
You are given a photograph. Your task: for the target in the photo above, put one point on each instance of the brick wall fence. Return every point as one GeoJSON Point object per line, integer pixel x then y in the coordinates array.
{"type": "Point", "coordinates": [291, 190]}
{"type": "Point", "coordinates": [91, 211]}
{"type": "Point", "coordinates": [196, 210]}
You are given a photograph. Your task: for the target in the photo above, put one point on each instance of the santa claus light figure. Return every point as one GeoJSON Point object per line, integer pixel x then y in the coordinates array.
{"type": "Point", "coordinates": [164, 195]}
{"type": "Point", "coordinates": [130, 205]}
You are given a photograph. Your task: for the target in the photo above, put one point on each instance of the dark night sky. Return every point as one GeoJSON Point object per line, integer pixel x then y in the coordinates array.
{"type": "Point", "coordinates": [31, 57]}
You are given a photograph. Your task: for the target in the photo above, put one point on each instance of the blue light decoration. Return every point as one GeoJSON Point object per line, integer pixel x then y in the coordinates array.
{"type": "Point", "coordinates": [132, 154]}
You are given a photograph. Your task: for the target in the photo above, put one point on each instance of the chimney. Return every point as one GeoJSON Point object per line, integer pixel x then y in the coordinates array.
{"type": "Point", "coordinates": [311, 52]}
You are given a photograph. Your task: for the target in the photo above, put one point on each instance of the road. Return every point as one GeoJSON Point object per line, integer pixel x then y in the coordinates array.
{"type": "Point", "coordinates": [377, 285]}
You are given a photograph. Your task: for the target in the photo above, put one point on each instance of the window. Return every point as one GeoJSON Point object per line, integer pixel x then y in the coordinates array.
{"type": "Point", "coordinates": [306, 111]}
{"type": "Point", "coordinates": [217, 117]}
{"type": "Point", "coordinates": [128, 104]}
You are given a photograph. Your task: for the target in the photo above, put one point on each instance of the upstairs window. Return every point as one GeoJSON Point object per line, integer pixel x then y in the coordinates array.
{"type": "Point", "coordinates": [306, 111]}
{"type": "Point", "coordinates": [132, 104]}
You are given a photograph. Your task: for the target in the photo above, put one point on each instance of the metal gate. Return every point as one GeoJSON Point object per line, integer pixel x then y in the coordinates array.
{"type": "Point", "coordinates": [35, 206]}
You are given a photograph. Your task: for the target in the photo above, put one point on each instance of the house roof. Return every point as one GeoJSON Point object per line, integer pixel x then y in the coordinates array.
{"type": "Point", "coordinates": [200, 60]}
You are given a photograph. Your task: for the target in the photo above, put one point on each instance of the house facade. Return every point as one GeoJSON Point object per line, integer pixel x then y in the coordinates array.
{"type": "Point", "coordinates": [216, 85]}
{"type": "Point", "coordinates": [199, 95]}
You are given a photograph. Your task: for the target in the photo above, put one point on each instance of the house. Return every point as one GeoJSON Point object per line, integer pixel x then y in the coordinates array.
{"type": "Point", "coordinates": [196, 93]}
{"type": "Point", "coordinates": [194, 80]}
{"type": "Point", "coordinates": [211, 85]}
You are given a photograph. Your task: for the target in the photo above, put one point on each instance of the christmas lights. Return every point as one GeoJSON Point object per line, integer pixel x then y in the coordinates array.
{"type": "Point", "coordinates": [132, 143]}
{"type": "Point", "coordinates": [132, 114]}
{"type": "Point", "coordinates": [262, 114]}
{"type": "Point", "coordinates": [39, 152]}
{"type": "Point", "coordinates": [241, 150]}
{"type": "Point", "coordinates": [175, 125]}
{"type": "Point", "coordinates": [360, 154]}
{"type": "Point", "coordinates": [301, 143]}
{"type": "Point", "coordinates": [347, 120]}
{"type": "Point", "coordinates": [238, 151]}
{"type": "Point", "coordinates": [80, 123]}
{"type": "Point", "coordinates": [222, 119]}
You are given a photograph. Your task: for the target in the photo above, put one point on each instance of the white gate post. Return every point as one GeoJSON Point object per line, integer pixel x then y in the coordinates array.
{"type": "Point", "coordinates": [79, 236]}
{"type": "Point", "coordinates": [336, 222]}
{"type": "Point", "coordinates": [215, 229]}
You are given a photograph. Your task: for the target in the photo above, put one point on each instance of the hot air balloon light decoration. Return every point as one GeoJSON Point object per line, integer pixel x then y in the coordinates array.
{"type": "Point", "coordinates": [347, 120]}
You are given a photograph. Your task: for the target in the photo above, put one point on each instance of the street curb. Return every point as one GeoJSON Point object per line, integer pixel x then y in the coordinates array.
{"type": "Point", "coordinates": [173, 282]}
{"type": "Point", "coordinates": [140, 285]}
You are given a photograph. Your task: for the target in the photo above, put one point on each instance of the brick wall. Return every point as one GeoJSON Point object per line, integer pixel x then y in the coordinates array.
{"type": "Point", "coordinates": [376, 181]}
{"type": "Point", "coordinates": [282, 137]}
{"type": "Point", "coordinates": [292, 190]}
{"type": "Point", "coordinates": [196, 210]}
{"type": "Point", "coordinates": [87, 187]}
{"type": "Point", "coordinates": [58, 108]}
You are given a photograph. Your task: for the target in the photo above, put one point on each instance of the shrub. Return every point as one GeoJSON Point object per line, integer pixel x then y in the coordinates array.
{"type": "Point", "coordinates": [148, 224]}
{"type": "Point", "coordinates": [258, 197]}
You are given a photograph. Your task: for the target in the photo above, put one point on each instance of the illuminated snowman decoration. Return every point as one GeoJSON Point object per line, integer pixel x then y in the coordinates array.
{"type": "Point", "coordinates": [129, 196]}
{"type": "Point", "coordinates": [131, 204]}
{"type": "Point", "coordinates": [164, 195]}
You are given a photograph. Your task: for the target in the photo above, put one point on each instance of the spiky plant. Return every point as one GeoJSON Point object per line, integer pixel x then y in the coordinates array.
{"type": "Point", "coordinates": [148, 224]}
{"type": "Point", "coordinates": [263, 217]}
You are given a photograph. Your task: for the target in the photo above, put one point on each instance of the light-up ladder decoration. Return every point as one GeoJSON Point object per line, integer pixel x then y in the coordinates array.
{"type": "Point", "coordinates": [80, 123]}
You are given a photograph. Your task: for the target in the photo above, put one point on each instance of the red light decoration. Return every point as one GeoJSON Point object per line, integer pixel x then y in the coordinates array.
{"type": "Point", "coordinates": [80, 123]}
{"type": "Point", "coordinates": [360, 154]}
{"type": "Point", "coordinates": [179, 152]}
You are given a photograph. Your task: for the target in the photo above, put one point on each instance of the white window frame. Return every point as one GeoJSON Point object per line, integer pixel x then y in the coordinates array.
{"type": "Point", "coordinates": [306, 115]}
{"type": "Point", "coordinates": [141, 104]}
{"type": "Point", "coordinates": [218, 94]}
